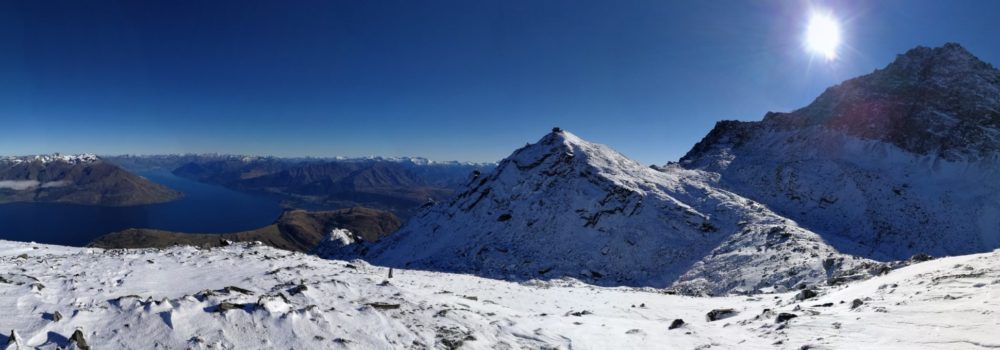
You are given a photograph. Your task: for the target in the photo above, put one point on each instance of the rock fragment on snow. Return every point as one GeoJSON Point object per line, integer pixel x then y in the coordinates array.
{"type": "Point", "coordinates": [677, 323]}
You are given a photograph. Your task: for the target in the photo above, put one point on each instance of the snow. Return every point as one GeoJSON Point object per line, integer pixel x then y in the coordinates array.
{"type": "Point", "coordinates": [169, 299]}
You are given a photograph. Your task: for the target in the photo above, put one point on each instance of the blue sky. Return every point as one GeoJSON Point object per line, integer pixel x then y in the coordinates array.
{"type": "Point", "coordinates": [465, 80]}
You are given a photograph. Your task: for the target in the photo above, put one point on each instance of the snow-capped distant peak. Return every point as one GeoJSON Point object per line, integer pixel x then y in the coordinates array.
{"type": "Point", "coordinates": [55, 157]}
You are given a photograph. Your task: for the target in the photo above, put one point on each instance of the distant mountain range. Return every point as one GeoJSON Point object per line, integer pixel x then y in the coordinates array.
{"type": "Point", "coordinates": [893, 164]}
{"type": "Point", "coordinates": [400, 185]}
{"type": "Point", "coordinates": [78, 179]}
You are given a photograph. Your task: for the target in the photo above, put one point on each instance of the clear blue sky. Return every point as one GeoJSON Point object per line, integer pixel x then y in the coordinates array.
{"type": "Point", "coordinates": [466, 80]}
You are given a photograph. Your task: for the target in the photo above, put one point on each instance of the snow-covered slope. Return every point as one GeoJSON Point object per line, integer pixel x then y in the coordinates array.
{"type": "Point", "coordinates": [250, 297]}
{"type": "Point", "coordinates": [901, 161]}
{"type": "Point", "coordinates": [567, 207]}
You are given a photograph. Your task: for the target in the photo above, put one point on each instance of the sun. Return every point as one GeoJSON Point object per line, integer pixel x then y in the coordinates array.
{"type": "Point", "coordinates": [823, 35]}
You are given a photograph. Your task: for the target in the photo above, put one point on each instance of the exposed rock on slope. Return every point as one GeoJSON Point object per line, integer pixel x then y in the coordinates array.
{"type": "Point", "coordinates": [296, 230]}
{"type": "Point", "coordinates": [568, 207]}
{"type": "Point", "coordinates": [82, 179]}
{"type": "Point", "coordinates": [901, 161]}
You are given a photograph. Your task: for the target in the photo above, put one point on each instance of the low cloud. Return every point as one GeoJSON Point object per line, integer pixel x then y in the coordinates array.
{"type": "Point", "coordinates": [51, 184]}
{"type": "Point", "coordinates": [19, 185]}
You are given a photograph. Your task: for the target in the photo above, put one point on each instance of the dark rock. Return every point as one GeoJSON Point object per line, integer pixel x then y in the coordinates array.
{"type": "Point", "coordinates": [77, 338]}
{"type": "Point", "coordinates": [921, 257]}
{"type": "Point", "coordinates": [297, 289]}
{"type": "Point", "coordinates": [383, 306]}
{"type": "Point", "coordinates": [855, 303]}
{"type": "Point", "coordinates": [224, 306]}
{"type": "Point", "coordinates": [13, 339]}
{"type": "Point", "coordinates": [707, 227]}
{"type": "Point", "coordinates": [677, 323]}
{"type": "Point", "coordinates": [579, 313]}
{"type": "Point", "coordinates": [504, 217]}
{"type": "Point", "coordinates": [557, 129]}
{"type": "Point", "coordinates": [719, 314]}
{"type": "Point", "coordinates": [806, 294]}
{"type": "Point", "coordinates": [22, 256]}
{"type": "Point", "coordinates": [238, 290]}
{"type": "Point", "coordinates": [784, 316]}
{"type": "Point", "coordinates": [823, 305]}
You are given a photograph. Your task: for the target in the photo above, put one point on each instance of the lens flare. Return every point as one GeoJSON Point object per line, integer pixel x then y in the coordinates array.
{"type": "Point", "coordinates": [823, 35]}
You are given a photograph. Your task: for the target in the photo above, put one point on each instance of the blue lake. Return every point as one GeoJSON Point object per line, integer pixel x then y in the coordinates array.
{"type": "Point", "coordinates": [204, 208]}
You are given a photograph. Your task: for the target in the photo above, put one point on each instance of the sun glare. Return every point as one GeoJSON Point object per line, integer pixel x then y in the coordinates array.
{"type": "Point", "coordinates": [823, 35]}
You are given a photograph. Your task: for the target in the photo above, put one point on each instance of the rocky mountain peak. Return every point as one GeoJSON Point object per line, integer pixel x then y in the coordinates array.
{"type": "Point", "coordinates": [941, 101]}
{"type": "Point", "coordinates": [946, 58]}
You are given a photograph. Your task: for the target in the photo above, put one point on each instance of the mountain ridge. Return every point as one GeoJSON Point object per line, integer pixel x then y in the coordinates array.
{"type": "Point", "coordinates": [567, 207]}
{"type": "Point", "coordinates": [901, 161]}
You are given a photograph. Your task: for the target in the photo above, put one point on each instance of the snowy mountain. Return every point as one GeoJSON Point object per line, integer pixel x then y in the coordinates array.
{"type": "Point", "coordinates": [49, 158]}
{"type": "Point", "coordinates": [79, 179]}
{"type": "Point", "coordinates": [901, 161]}
{"type": "Point", "coordinates": [252, 296]}
{"type": "Point", "coordinates": [567, 207]}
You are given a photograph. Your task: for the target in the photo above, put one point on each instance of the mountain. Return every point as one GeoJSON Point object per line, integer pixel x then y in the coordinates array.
{"type": "Point", "coordinates": [398, 185]}
{"type": "Point", "coordinates": [296, 230]}
{"type": "Point", "coordinates": [79, 179]}
{"type": "Point", "coordinates": [246, 296]}
{"type": "Point", "coordinates": [900, 161]}
{"type": "Point", "coordinates": [567, 207]}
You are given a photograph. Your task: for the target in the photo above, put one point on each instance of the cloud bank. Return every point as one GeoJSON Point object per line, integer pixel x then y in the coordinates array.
{"type": "Point", "coordinates": [21, 185]}
{"type": "Point", "coordinates": [18, 185]}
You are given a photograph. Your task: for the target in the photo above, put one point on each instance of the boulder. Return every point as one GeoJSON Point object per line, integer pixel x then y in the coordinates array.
{"type": "Point", "coordinates": [806, 294]}
{"type": "Point", "coordinates": [77, 338]}
{"type": "Point", "coordinates": [719, 314]}
{"type": "Point", "coordinates": [784, 317]}
{"type": "Point", "coordinates": [677, 323]}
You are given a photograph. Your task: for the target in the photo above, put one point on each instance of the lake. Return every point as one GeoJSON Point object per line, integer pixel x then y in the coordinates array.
{"type": "Point", "coordinates": [205, 208]}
